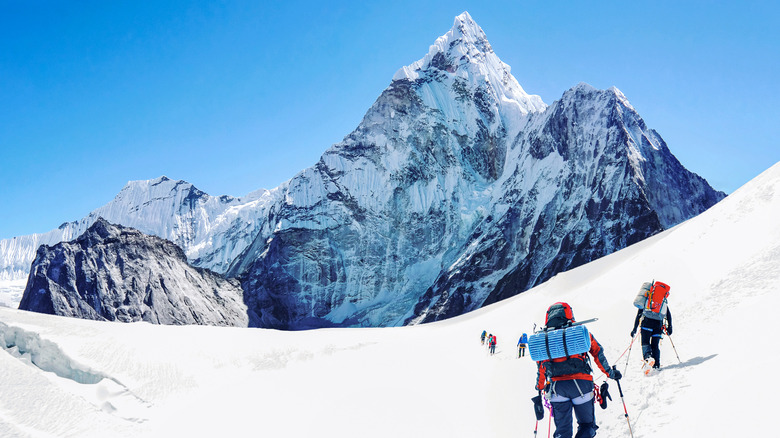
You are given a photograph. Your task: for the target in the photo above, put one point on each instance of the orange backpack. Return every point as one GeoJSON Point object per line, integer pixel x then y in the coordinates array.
{"type": "Point", "coordinates": [654, 299]}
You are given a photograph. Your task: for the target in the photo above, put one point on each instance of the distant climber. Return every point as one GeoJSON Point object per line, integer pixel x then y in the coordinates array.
{"type": "Point", "coordinates": [492, 344]}
{"type": "Point", "coordinates": [521, 345]}
{"type": "Point", "coordinates": [650, 317]}
{"type": "Point", "coordinates": [482, 337]}
{"type": "Point", "coordinates": [567, 381]}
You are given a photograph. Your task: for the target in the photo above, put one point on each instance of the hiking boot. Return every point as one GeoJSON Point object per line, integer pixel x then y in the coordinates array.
{"type": "Point", "coordinates": [648, 365]}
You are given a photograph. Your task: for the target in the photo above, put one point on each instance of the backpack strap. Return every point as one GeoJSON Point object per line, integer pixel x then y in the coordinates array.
{"type": "Point", "coordinates": [547, 344]}
{"type": "Point", "coordinates": [578, 387]}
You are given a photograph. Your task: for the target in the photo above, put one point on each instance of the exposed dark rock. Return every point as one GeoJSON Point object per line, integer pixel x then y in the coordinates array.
{"type": "Point", "coordinates": [116, 273]}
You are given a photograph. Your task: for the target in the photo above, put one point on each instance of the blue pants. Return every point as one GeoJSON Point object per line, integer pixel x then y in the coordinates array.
{"type": "Point", "coordinates": [566, 396]}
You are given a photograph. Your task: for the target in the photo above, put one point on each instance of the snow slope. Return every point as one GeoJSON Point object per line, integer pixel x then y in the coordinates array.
{"type": "Point", "coordinates": [434, 379]}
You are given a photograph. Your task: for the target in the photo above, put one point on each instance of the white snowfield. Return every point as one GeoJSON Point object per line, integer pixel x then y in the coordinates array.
{"type": "Point", "coordinates": [76, 378]}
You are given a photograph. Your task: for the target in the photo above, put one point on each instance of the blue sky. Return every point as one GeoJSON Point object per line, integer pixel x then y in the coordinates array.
{"type": "Point", "coordinates": [241, 95]}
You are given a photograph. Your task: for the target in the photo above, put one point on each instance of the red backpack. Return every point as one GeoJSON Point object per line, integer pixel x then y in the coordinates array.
{"type": "Point", "coordinates": [655, 306]}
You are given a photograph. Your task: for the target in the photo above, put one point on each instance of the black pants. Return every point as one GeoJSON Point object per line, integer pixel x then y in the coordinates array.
{"type": "Point", "coordinates": [652, 330]}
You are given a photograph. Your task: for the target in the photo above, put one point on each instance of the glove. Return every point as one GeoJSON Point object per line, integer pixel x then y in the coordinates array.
{"type": "Point", "coordinates": [604, 393]}
{"type": "Point", "coordinates": [669, 330]}
{"type": "Point", "coordinates": [633, 333]}
{"type": "Point", "coordinates": [538, 408]}
{"type": "Point", "coordinates": [614, 374]}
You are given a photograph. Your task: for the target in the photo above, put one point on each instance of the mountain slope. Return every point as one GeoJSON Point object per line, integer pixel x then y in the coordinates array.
{"type": "Point", "coordinates": [218, 380]}
{"type": "Point", "coordinates": [119, 274]}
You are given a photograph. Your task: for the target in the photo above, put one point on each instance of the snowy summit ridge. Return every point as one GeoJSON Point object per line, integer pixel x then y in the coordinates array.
{"type": "Point", "coordinates": [465, 43]}
{"type": "Point", "coordinates": [464, 52]}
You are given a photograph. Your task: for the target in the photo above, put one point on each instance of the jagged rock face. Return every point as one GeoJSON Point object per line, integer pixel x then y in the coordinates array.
{"type": "Point", "coordinates": [120, 274]}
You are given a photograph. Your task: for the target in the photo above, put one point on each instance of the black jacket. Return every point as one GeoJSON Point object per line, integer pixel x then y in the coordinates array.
{"type": "Point", "coordinates": [652, 323]}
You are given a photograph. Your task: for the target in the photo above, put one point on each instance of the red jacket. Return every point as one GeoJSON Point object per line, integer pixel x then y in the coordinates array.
{"type": "Point", "coordinates": [598, 357]}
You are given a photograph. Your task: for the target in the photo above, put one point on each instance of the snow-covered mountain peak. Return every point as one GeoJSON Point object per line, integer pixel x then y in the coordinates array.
{"type": "Point", "coordinates": [605, 105]}
{"type": "Point", "coordinates": [467, 26]}
{"type": "Point", "coordinates": [465, 43]}
{"type": "Point", "coordinates": [584, 89]}
{"type": "Point", "coordinates": [465, 39]}
{"type": "Point", "coordinates": [161, 187]}
{"type": "Point", "coordinates": [464, 57]}
{"type": "Point", "coordinates": [461, 73]}
{"type": "Point", "coordinates": [212, 230]}
{"type": "Point", "coordinates": [620, 96]}
{"type": "Point", "coordinates": [586, 92]}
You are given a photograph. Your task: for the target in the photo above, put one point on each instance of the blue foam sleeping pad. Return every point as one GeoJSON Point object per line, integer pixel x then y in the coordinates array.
{"type": "Point", "coordinates": [577, 341]}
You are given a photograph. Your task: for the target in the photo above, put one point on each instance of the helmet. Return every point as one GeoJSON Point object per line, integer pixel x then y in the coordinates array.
{"type": "Point", "coordinates": [559, 315]}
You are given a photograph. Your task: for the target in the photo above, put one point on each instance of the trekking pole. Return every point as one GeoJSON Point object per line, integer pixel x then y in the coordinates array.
{"type": "Point", "coordinates": [670, 340]}
{"type": "Point", "coordinates": [620, 389]}
{"type": "Point", "coordinates": [549, 424]}
{"type": "Point", "coordinates": [629, 352]}
{"type": "Point", "coordinates": [549, 420]}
